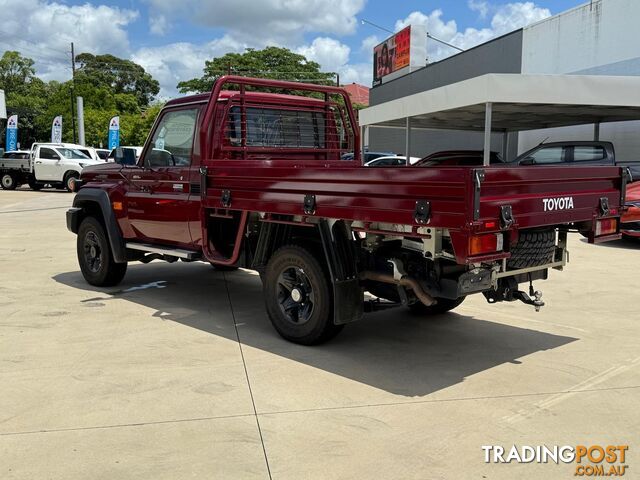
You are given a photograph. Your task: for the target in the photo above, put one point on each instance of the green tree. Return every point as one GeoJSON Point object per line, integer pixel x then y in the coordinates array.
{"type": "Point", "coordinates": [26, 94]}
{"type": "Point", "coordinates": [16, 72]}
{"type": "Point", "coordinates": [270, 62]}
{"type": "Point", "coordinates": [120, 75]}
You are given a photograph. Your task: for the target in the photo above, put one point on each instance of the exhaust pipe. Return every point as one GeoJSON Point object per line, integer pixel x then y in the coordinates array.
{"type": "Point", "coordinates": [405, 281]}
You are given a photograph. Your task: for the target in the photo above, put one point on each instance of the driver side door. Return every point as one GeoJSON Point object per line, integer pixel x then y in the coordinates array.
{"type": "Point", "coordinates": [47, 164]}
{"type": "Point", "coordinates": [158, 201]}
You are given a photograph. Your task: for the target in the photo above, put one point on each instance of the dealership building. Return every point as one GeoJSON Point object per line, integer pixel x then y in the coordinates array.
{"type": "Point", "coordinates": [598, 38]}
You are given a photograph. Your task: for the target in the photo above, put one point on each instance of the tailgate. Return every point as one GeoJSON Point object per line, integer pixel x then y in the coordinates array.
{"type": "Point", "coordinates": [540, 196]}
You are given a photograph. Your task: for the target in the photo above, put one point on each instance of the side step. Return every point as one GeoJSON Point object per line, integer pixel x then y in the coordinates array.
{"type": "Point", "coordinates": [172, 252]}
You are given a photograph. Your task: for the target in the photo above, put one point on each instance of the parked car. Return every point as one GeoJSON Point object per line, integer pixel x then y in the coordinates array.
{"type": "Point", "coordinates": [576, 153]}
{"type": "Point", "coordinates": [630, 221]}
{"type": "Point", "coordinates": [368, 156]}
{"type": "Point", "coordinates": [458, 158]}
{"type": "Point", "coordinates": [103, 153]}
{"type": "Point", "coordinates": [321, 230]}
{"type": "Point", "coordinates": [55, 164]}
{"type": "Point", "coordinates": [390, 161]}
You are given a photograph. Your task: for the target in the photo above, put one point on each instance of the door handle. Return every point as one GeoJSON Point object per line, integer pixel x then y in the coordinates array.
{"type": "Point", "coordinates": [39, 163]}
{"type": "Point", "coordinates": [135, 177]}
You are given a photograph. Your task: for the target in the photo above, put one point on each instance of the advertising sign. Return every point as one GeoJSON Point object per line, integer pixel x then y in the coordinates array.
{"type": "Point", "coordinates": [56, 130]}
{"type": "Point", "coordinates": [392, 54]}
{"type": "Point", "coordinates": [400, 52]}
{"type": "Point", "coordinates": [114, 132]}
{"type": "Point", "coordinates": [12, 133]}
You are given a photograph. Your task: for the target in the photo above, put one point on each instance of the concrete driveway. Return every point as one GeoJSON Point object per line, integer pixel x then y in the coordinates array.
{"type": "Point", "coordinates": [177, 373]}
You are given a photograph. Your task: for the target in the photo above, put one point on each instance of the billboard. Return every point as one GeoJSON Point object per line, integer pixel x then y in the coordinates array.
{"type": "Point", "coordinates": [400, 52]}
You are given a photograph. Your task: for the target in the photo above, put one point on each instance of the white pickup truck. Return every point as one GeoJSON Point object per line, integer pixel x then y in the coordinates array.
{"type": "Point", "coordinates": [55, 164]}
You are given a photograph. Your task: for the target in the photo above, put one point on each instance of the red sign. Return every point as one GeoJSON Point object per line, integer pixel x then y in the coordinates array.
{"type": "Point", "coordinates": [392, 54]}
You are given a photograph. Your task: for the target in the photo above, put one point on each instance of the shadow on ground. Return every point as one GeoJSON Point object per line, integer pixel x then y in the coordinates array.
{"type": "Point", "coordinates": [625, 243]}
{"type": "Point", "coordinates": [389, 350]}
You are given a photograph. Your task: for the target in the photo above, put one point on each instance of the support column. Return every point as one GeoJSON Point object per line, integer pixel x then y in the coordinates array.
{"type": "Point", "coordinates": [487, 133]}
{"type": "Point", "coordinates": [596, 132]}
{"type": "Point", "coordinates": [505, 144]}
{"type": "Point", "coordinates": [407, 141]}
{"type": "Point", "coordinates": [80, 102]}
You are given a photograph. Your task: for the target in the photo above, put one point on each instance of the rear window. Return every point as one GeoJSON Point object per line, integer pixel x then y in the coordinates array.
{"type": "Point", "coordinates": [588, 153]}
{"type": "Point", "coordinates": [270, 127]}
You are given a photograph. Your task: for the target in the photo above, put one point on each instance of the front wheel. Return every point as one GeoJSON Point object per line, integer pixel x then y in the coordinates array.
{"type": "Point", "coordinates": [297, 293]}
{"type": "Point", "coordinates": [95, 256]}
{"type": "Point", "coordinates": [70, 179]}
{"type": "Point", "coordinates": [9, 181]}
{"type": "Point", "coordinates": [442, 306]}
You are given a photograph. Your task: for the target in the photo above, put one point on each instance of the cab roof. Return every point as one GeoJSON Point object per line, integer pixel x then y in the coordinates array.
{"type": "Point", "coordinates": [251, 96]}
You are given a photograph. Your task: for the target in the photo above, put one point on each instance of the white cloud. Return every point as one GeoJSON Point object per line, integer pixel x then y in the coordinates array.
{"type": "Point", "coordinates": [267, 21]}
{"type": "Point", "coordinates": [333, 56]}
{"type": "Point", "coordinates": [328, 52]}
{"type": "Point", "coordinates": [481, 7]}
{"type": "Point", "coordinates": [368, 43]}
{"type": "Point", "coordinates": [176, 62]}
{"type": "Point", "coordinates": [43, 31]}
{"type": "Point", "coordinates": [158, 25]}
{"type": "Point", "coordinates": [507, 17]}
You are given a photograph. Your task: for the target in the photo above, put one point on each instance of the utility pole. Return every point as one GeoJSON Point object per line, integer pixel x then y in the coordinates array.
{"type": "Point", "coordinates": [73, 92]}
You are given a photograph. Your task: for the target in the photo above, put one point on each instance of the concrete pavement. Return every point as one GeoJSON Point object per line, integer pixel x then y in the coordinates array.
{"type": "Point", "coordinates": [149, 380]}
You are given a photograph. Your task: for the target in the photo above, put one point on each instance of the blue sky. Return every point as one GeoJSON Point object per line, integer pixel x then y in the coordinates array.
{"type": "Point", "coordinates": [173, 38]}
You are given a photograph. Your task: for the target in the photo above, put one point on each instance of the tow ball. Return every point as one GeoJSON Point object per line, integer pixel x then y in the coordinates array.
{"type": "Point", "coordinates": [507, 291]}
{"type": "Point", "coordinates": [536, 301]}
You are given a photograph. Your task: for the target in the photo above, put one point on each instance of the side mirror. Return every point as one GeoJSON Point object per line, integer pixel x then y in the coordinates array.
{"type": "Point", "coordinates": [119, 155]}
{"type": "Point", "coordinates": [528, 161]}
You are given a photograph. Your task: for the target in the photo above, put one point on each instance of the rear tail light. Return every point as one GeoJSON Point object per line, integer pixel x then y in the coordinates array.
{"type": "Point", "coordinates": [606, 226]}
{"type": "Point", "coordinates": [488, 243]}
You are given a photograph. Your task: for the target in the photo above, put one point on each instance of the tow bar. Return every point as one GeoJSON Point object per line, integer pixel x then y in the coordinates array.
{"type": "Point", "coordinates": [507, 291]}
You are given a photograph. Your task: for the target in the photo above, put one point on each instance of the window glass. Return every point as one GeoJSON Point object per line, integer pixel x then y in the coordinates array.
{"type": "Point", "coordinates": [72, 153]}
{"type": "Point", "coordinates": [49, 154]}
{"type": "Point", "coordinates": [172, 141]}
{"type": "Point", "coordinates": [270, 127]}
{"type": "Point", "coordinates": [548, 155]}
{"type": "Point", "coordinates": [588, 153]}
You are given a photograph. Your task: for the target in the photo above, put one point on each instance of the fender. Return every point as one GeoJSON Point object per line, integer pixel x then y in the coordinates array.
{"type": "Point", "coordinates": [95, 198]}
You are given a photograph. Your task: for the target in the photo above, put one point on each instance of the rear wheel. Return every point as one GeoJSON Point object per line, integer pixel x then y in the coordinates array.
{"type": "Point", "coordinates": [297, 294]}
{"type": "Point", "coordinates": [443, 306]}
{"type": "Point", "coordinates": [69, 180]}
{"type": "Point", "coordinates": [95, 256]}
{"type": "Point", "coordinates": [9, 181]}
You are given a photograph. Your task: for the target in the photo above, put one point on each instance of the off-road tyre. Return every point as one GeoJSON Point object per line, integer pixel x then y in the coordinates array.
{"type": "Point", "coordinates": [9, 181]}
{"type": "Point", "coordinates": [534, 248]}
{"type": "Point", "coordinates": [443, 306]}
{"type": "Point", "coordinates": [69, 178]}
{"type": "Point", "coordinates": [305, 317]}
{"type": "Point", "coordinates": [95, 256]}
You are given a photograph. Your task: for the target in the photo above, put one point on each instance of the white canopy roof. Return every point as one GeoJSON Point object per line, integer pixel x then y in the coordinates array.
{"type": "Point", "coordinates": [518, 102]}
